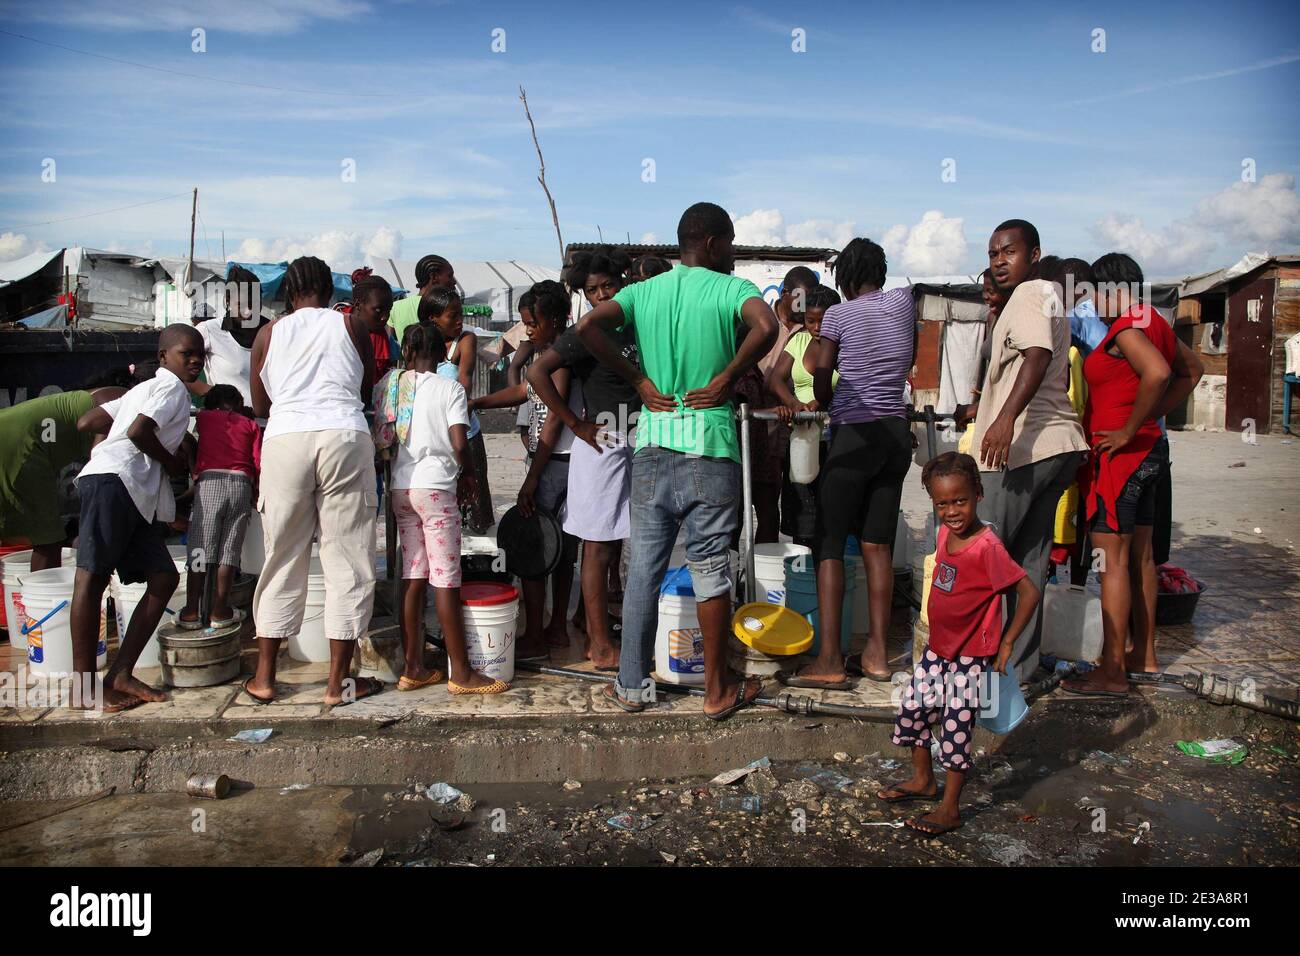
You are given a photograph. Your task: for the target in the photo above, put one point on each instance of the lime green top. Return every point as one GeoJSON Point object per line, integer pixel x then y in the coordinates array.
{"type": "Point", "coordinates": [405, 312]}
{"type": "Point", "coordinates": [685, 325]}
{"type": "Point", "coordinates": [800, 377]}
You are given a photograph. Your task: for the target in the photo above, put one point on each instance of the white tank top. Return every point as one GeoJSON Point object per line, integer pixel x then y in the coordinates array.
{"type": "Point", "coordinates": [312, 374]}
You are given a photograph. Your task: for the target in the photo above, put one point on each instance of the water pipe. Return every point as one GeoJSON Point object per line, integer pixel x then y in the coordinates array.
{"type": "Point", "coordinates": [1219, 690]}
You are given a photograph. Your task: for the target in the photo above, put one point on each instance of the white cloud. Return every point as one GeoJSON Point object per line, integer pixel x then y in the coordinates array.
{"type": "Point", "coordinates": [649, 239]}
{"type": "Point", "coordinates": [236, 16]}
{"type": "Point", "coordinates": [344, 251]}
{"type": "Point", "coordinates": [766, 227]}
{"type": "Point", "coordinates": [935, 246]}
{"type": "Point", "coordinates": [1244, 217]}
{"type": "Point", "coordinates": [17, 245]}
{"type": "Point", "coordinates": [762, 227]}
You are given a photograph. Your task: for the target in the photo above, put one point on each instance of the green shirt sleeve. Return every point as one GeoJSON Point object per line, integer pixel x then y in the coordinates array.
{"type": "Point", "coordinates": [626, 299]}
{"type": "Point", "coordinates": [744, 290]}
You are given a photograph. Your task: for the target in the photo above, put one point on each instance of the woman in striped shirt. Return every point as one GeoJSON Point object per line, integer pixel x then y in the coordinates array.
{"type": "Point", "coordinates": [870, 341]}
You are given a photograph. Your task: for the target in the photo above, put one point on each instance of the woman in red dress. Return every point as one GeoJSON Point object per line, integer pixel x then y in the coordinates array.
{"type": "Point", "coordinates": [1136, 376]}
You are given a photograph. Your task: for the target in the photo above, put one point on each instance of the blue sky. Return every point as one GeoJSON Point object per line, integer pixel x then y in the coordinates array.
{"type": "Point", "coordinates": [1140, 147]}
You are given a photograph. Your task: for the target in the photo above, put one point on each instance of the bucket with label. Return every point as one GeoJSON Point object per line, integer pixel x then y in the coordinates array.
{"type": "Point", "coordinates": [801, 597]}
{"type": "Point", "coordinates": [769, 569]}
{"type": "Point", "coordinates": [679, 642]}
{"type": "Point", "coordinates": [46, 606]}
{"type": "Point", "coordinates": [19, 559]}
{"type": "Point", "coordinates": [491, 610]}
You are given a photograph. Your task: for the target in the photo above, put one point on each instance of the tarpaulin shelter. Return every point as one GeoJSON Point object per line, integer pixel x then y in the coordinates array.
{"type": "Point", "coordinates": [497, 283]}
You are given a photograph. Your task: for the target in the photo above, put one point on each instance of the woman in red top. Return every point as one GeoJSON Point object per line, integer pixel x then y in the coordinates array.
{"type": "Point", "coordinates": [1135, 377]}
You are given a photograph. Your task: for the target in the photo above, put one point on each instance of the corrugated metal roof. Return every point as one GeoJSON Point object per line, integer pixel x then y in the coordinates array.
{"type": "Point", "coordinates": [671, 251]}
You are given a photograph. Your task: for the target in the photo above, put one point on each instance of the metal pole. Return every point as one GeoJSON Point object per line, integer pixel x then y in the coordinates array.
{"type": "Point", "coordinates": [747, 520]}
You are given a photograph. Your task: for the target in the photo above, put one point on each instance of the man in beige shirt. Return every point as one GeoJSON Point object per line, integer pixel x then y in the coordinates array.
{"type": "Point", "coordinates": [1028, 439]}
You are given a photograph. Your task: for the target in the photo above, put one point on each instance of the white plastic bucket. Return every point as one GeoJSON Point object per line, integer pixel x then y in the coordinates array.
{"type": "Point", "coordinates": [1071, 623]}
{"type": "Point", "coordinates": [679, 642]}
{"type": "Point", "coordinates": [253, 554]}
{"type": "Point", "coordinates": [311, 643]}
{"type": "Point", "coordinates": [491, 611]}
{"type": "Point", "coordinates": [769, 569]}
{"type": "Point", "coordinates": [127, 596]}
{"type": "Point", "coordinates": [10, 567]}
{"type": "Point", "coordinates": [46, 606]}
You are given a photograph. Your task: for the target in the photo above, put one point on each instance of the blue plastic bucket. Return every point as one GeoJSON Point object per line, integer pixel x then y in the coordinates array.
{"type": "Point", "coordinates": [1004, 705]}
{"type": "Point", "coordinates": [801, 597]}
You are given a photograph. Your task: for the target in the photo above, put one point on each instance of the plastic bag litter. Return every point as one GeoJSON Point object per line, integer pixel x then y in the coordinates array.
{"type": "Point", "coordinates": [1221, 750]}
{"type": "Point", "coordinates": [728, 777]}
{"type": "Point", "coordinates": [251, 736]}
{"type": "Point", "coordinates": [443, 793]}
{"type": "Point", "coordinates": [627, 821]}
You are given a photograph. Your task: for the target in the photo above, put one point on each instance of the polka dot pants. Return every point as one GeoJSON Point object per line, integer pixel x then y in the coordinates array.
{"type": "Point", "coordinates": [946, 693]}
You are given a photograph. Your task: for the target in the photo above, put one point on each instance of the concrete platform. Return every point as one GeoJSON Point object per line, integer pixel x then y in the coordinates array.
{"type": "Point", "coordinates": [549, 728]}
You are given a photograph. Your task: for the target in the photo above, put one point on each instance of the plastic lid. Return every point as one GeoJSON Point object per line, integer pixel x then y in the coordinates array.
{"type": "Point", "coordinates": [677, 582]}
{"type": "Point", "coordinates": [772, 629]}
{"type": "Point", "coordinates": [487, 593]}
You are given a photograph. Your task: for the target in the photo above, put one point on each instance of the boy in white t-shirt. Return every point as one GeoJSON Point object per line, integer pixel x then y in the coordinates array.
{"type": "Point", "coordinates": [126, 501]}
{"type": "Point", "coordinates": [425, 417]}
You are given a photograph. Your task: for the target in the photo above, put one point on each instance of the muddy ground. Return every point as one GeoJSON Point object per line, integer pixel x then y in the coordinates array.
{"type": "Point", "coordinates": [1160, 808]}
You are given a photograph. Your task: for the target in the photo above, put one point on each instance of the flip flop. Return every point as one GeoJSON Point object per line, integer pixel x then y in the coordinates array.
{"type": "Point", "coordinates": [794, 680]}
{"type": "Point", "coordinates": [610, 693]}
{"type": "Point", "coordinates": [259, 701]}
{"type": "Point", "coordinates": [406, 683]}
{"type": "Point", "coordinates": [237, 616]}
{"type": "Point", "coordinates": [194, 625]}
{"type": "Point", "coordinates": [853, 666]}
{"type": "Point", "coordinates": [1097, 692]}
{"type": "Point", "coordinates": [496, 687]}
{"type": "Point", "coordinates": [741, 701]}
{"type": "Point", "coordinates": [904, 797]}
{"type": "Point", "coordinates": [916, 825]}
{"type": "Point", "coordinates": [373, 682]}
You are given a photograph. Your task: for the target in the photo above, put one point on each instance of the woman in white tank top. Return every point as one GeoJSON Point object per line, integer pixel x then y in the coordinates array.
{"type": "Point", "coordinates": [310, 369]}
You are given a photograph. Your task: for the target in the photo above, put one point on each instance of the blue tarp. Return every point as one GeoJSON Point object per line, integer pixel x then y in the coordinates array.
{"type": "Point", "coordinates": [55, 318]}
{"type": "Point", "coordinates": [270, 275]}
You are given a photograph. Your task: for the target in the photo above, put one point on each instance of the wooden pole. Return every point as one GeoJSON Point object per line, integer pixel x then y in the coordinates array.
{"type": "Point", "coordinates": [541, 177]}
{"type": "Point", "coordinates": [189, 277]}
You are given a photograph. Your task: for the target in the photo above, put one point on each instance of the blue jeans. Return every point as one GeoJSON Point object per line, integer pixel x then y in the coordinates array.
{"type": "Point", "coordinates": [671, 489]}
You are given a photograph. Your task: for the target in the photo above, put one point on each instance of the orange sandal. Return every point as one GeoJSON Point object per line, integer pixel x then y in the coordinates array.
{"type": "Point", "coordinates": [496, 687]}
{"type": "Point", "coordinates": [435, 677]}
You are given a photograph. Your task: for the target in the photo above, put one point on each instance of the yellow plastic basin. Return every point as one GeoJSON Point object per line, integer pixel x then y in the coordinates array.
{"type": "Point", "coordinates": [772, 629]}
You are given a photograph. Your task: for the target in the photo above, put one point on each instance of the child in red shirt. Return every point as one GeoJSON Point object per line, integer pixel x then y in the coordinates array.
{"type": "Point", "coordinates": [229, 459]}
{"type": "Point", "coordinates": [972, 570]}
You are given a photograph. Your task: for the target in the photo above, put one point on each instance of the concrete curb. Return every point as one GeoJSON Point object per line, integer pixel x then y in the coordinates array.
{"type": "Point", "coordinates": [70, 760]}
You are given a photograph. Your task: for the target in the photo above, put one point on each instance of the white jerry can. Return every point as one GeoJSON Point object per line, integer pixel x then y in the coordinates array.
{"type": "Point", "coordinates": [1071, 623]}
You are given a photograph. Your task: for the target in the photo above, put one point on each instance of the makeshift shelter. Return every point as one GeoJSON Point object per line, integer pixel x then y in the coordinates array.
{"type": "Point", "coordinates": [1238, 320]}
{"type": "Point", "coordinates": [30, 285]}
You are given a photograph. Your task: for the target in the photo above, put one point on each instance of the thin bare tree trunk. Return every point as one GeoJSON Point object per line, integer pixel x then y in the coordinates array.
{"type": "Point", "coordinates": [541, 176]}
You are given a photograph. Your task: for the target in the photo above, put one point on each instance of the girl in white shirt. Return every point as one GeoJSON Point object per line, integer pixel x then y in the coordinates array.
{"type": "Point", "coordinates": [431, 431]}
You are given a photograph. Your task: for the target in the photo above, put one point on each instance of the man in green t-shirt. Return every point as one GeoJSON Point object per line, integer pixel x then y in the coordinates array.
{"type": "Point", "coordinates": [429, 272]}
{"type": "Point", "coordinates": [686, 470]}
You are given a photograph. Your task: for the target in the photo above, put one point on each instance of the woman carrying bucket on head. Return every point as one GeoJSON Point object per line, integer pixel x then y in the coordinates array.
{"type": "Point", "coordinates": [312, 374]}
{"type": "Point", "coordinates": [425, 417]}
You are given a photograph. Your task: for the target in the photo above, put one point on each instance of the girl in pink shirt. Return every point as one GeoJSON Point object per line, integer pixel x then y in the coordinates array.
{"type": "Point", "coordinates": [972, 571]}
{"type": "Point", "coordinates": [225, 471]}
